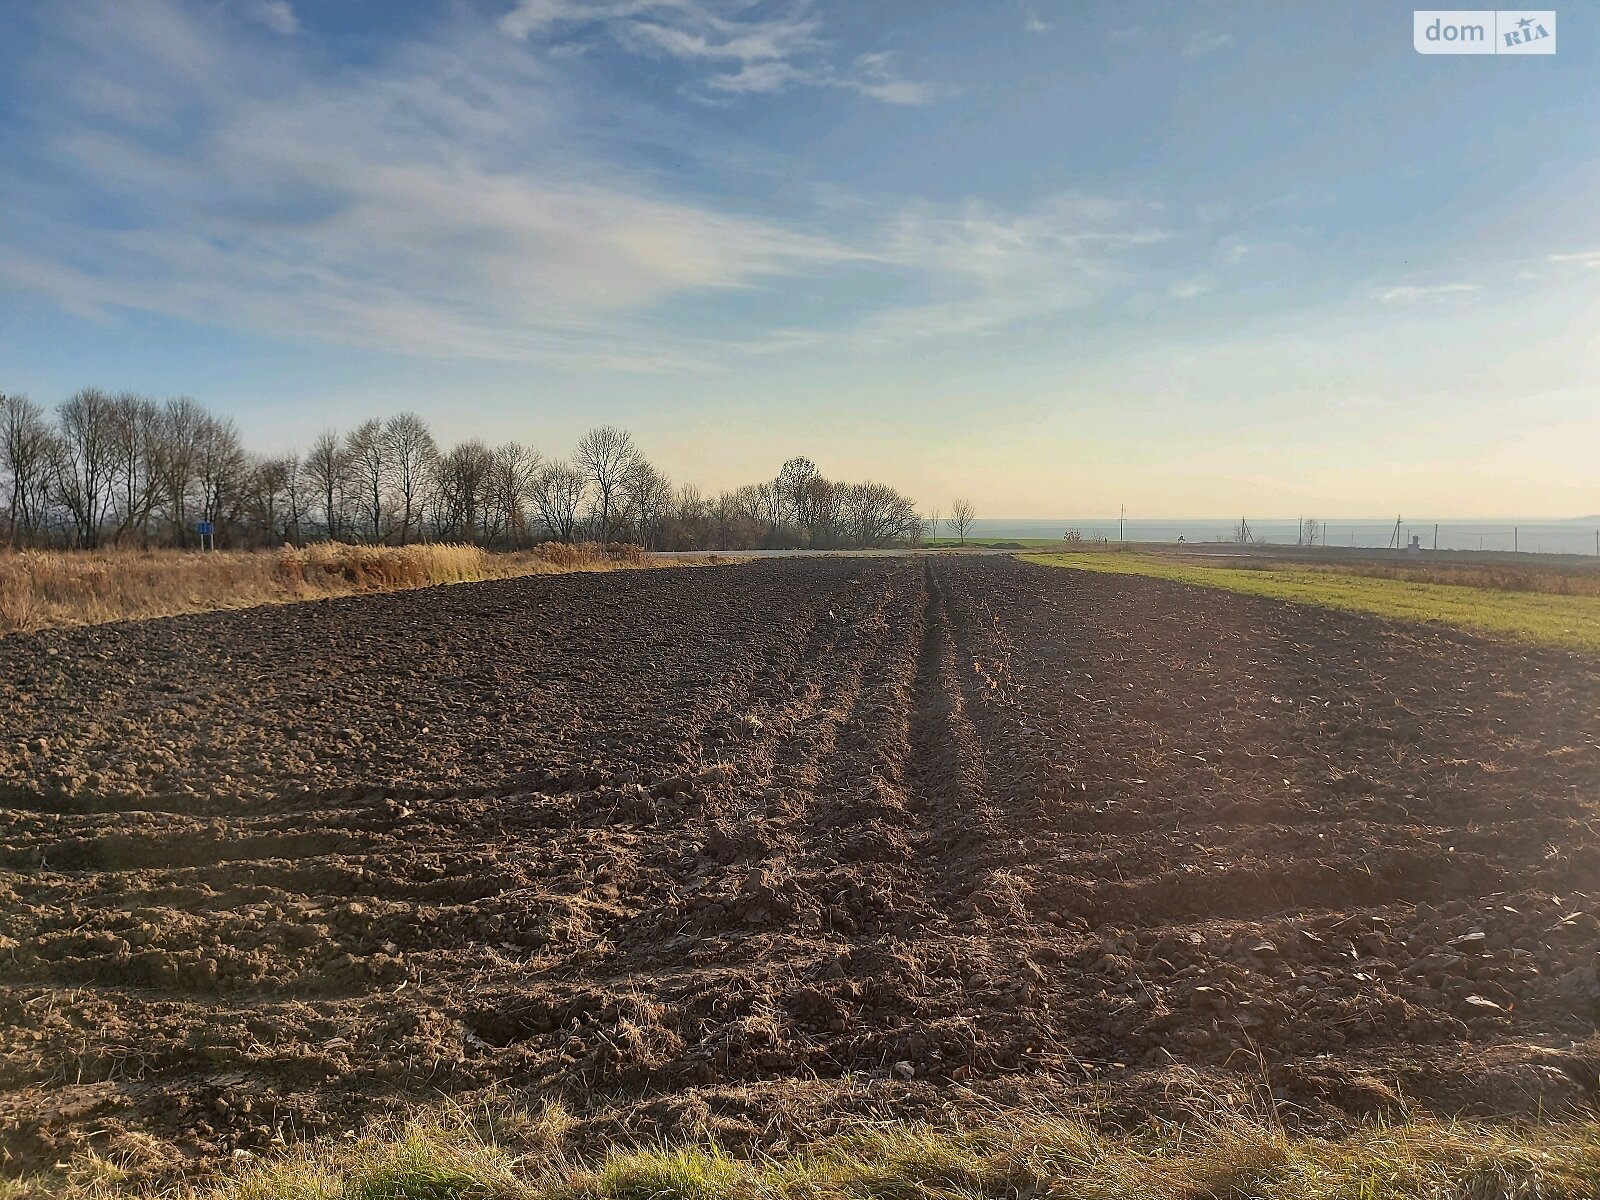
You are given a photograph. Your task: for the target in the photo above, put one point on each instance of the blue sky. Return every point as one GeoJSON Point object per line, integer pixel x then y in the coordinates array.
{"type": "Point", "coordinates": [1058, 257]}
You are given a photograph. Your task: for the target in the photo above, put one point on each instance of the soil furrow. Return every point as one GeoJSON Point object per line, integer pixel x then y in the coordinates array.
{"type": "Point", "coordinates": [750, 850]}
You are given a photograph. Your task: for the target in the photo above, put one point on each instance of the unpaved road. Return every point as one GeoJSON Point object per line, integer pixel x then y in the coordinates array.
{"type": "Point", "coordinates": [759, 847]}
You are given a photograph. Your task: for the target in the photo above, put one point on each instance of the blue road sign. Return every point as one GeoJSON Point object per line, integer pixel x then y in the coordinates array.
{"type": "Point", "coordinates": [203, 528]}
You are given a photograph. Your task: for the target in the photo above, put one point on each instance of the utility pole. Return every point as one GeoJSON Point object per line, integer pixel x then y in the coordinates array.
{"type": "Point", "coordinates": [1516, 539]}
{"type": "Point", "coordinates": [1122, 518]}
{"type": "Point", "coordinates": [1436, 535]}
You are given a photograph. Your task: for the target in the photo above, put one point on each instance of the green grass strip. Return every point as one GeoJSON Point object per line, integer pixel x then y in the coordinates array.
{"type": "Point", "coordinates": [466, 1158]}
{"type": "Point", "coordinates": [1569, 621]}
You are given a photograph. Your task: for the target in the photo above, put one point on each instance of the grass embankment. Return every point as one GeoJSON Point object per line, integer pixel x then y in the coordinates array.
{"type": "Point", "coordinates": [946, 543]}
{"type": "Point", "coordinates": [1572, 621]}
{"type": "Point", "coordinates": [522, 1157]}
{"type": "Point", "coordinates": [1463, 571]}
{"type": "Point", "coordinates": [44, 589]}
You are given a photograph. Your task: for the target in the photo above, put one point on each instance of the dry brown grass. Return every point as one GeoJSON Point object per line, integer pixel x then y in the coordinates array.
{"type": "Point", "coordinates": [46, 589]}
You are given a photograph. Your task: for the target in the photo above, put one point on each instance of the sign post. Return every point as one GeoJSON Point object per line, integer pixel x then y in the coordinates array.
{"type": "Point", "coordinates": [208, 537]}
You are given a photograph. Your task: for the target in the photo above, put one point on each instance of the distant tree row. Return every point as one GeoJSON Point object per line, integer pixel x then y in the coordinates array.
{"type": "Point", "coordinates": [126, 470]}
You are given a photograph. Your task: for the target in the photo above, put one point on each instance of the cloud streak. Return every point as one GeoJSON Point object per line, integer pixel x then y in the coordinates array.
{"type": "Point", "coordinates": [1587, 258]}
{"type": "Point", "coordinates": [989, 269]}
{"type": "Point", "coordinates": [277, 15]}
{"type": "Point", "coordinates": [406, 207]}
{"type": "Point", "coordinates": [742, 54]}
{"type": "Point", "coordinates": [1204, 43]}
{"type": "Point", "coordinates": [1412, 294]}
{"type": "Point", "coordinates": [432, 204]}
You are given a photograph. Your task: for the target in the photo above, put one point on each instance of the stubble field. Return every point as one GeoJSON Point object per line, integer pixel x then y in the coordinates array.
{"type": "Point", "coordinates": [757, 850]}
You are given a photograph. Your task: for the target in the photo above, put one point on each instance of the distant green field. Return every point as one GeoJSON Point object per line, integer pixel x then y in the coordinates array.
{"type": "Point", "coordinates": [1570, 621]}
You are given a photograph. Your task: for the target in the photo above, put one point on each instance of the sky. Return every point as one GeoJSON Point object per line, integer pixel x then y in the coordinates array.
{"type": "Point", "coordinates": [1055, 257]}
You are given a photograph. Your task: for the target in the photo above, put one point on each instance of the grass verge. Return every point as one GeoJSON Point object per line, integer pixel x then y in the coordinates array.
{"type": "Point", "coordinates": [48, 589]}
{"type": "Point", "coordinates": [972, 543]}
{"type": "Point", "coordinates": [455, 1155]}
{"type": "Point", "coordinates": [1569, 621]}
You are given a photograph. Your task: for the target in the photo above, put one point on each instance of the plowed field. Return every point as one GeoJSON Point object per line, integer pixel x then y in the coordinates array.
{"type": "Point", "coordinates": [763, 847]}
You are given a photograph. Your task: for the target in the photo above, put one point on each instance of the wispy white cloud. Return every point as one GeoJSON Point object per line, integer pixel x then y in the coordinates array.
{"type": "Point", "coordinates": [1412, 294]}
{"type": "Point", "coordinates": [759, 77]}
{"type": "Point", "coordinates": [422, 205]}
{"type": "Point", "coordinates": [768, 53]}
{"type": "Point", "coordinates": [874, 76]}
{"type": "Point", "coordinates": [679, 28]}
{"type": "Point", "coordinates": [277, 15]}
{"type": "Point", "coordinates": [1188, 289]}
{"type": "Point", "coordinates": [445, 201]}
{"type": "Point", "coordinates": [1206, 42]}
{"type": "Point", "coordinates": [988, 269]}
{"type": "Point", "coordinates": [872, 79]}
{"type": "Point", "coordinates": [1585, 258]}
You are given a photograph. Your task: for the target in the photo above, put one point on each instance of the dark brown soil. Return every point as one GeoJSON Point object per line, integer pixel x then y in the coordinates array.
{"type": "Point", "coordinates": [759, 848]}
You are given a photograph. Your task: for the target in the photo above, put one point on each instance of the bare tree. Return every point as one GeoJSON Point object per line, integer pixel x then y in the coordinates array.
{"type": "Point", "coordinates": [409, 453]}
{"type": "Point", "coordinates": [738, 519]}
{"type": "Point", "coordinates": [84, 462]}
{"type": "Point", "coordinates": [182, 420]}
{"type": "Point", "coordinates": [510, 486]}
{"type": "Point", "coordinates": [876, 515]}
{"type": "Point", "coordinates": [462, 494]}
{"type": "Point", "coordinates": [25, 451]}
{"type": "Point", "coordinates": [647, 493]}
{"type": "Point", "coordinates": [1313, 531]}
{"type": "Point", "coordinates": [136, 429]}
{"type": "Point", "coordinates": [221, 467]}
{"type": "Point", "coordinates": [605, 455]}
{"type": "Point", "coordinates": [294, 496]}
{"type": "Point", "coordinates": [367, 452]}
{"type": "Point", "coordinates": [126, 468]}
{"type": "Point", "coordinates": [328, 472]}
{"type": "Point", "coordinates": [961, 517]}
{"type": "Point", "coordinates": [789, 492]}
{"type": "Point", "coordinates": [267, 489]}
{"type": "Point", "coordinates": [906, 521]}
{"type": "Point", "coordinates": [557, 495]}
{"type": "Point", "coordinates": [933, 526]}
{"type": "Point", "coordinates": [822, 512]}
{"type": "Point", "coordinates": [691, 519]}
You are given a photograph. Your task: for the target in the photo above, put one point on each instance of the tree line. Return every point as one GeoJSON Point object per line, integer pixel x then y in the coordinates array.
{"type": "Point", "coordinates": [125, 470]}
